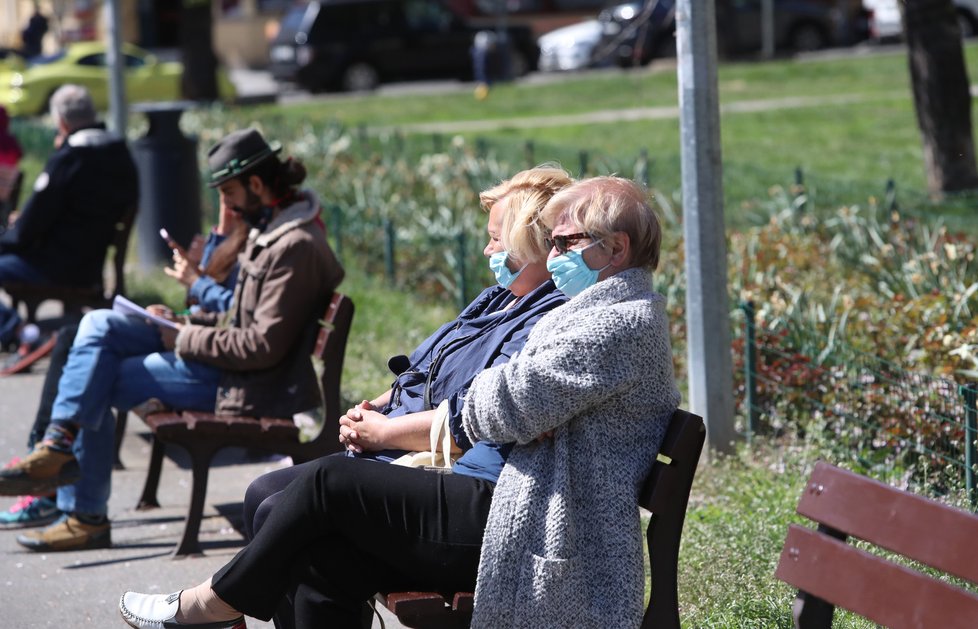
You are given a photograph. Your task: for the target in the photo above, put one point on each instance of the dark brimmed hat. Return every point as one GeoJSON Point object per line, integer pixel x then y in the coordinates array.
{"type": "Point", "coordinates": [237, 153]}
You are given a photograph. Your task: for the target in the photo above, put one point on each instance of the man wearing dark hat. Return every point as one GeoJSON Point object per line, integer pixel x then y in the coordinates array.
{"type": "Point", "coordinates": [254, 360]}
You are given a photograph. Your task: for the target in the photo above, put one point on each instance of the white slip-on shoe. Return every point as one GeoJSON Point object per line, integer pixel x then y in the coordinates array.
{"type": "Point", "coordinates": [158, 611]}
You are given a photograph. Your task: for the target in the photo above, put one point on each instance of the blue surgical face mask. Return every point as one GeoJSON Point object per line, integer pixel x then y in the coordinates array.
{"type": "Point", "coordinates": [497, 263]}
{"type": "Point", "coordinates": [571, 274]}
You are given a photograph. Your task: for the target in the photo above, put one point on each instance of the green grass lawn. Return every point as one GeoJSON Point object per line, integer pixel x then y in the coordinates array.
{"type": "Point", "coordinates": [846, 151]}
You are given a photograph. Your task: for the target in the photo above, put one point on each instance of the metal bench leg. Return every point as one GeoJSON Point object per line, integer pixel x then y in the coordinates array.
{"type": "Point", "coordinates": [121, 417]}
{"type": "Point", "coordinates": [148, 499]}
{"type": "Point", "coordinates": [200, 457]}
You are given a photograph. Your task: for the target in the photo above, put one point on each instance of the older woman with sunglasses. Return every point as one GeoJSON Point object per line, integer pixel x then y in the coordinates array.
{"type": "Point", "coordinates": [587, 403]}
{"type": "Point", "coordinates": [340, 529]}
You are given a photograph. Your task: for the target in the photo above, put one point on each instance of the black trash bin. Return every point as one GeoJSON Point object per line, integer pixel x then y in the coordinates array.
{"type": "Point", "coordinates": [169, 183]}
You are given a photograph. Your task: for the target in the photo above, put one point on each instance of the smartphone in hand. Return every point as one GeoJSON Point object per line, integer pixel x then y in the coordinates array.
{"type": "Point", "coordinates": [171, 243]}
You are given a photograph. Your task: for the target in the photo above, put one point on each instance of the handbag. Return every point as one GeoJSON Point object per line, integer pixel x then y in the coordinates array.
{"type": "Point", "coordinates": [438, 435]}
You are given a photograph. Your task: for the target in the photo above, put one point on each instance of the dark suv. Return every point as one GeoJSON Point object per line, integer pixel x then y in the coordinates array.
{"type": "Point", "coordinates": [357, 44]}
{"type": "Point", "coordinates": [637, 32]}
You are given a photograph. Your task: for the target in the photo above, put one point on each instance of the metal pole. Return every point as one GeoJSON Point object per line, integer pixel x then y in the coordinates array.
{"type": "Point", "coordinates": [337, 229]}
{"type": "Point", "coordinates": [767, 28]}
{"type": "Point", "coordinates": [642, 168]}
{"type": "Point", "coordinates": [750, 369]}
{"type": "Point", "coordinates": [970, 434]}
{"type": "Point", "coordinates": [114, 60]}
{"type": "Point", "coordinates": [707, 309]}
{"type": "Point", "coordinates": [463, 289]}
{"type": "Point", "coordinates": [389, 259]}
{"type": "Point", "coordinates": [890, 196]}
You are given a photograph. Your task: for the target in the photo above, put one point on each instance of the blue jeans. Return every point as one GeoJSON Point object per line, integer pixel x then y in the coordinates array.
{"type": "Point", "coordinates": [118, 361]}
{"type": "Point", "coordinates": [13, 268]}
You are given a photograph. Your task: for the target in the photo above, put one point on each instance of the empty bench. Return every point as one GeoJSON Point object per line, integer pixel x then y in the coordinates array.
{"type": "Point", "coordinates": [830, 572]}
{"type": "Point", "coordinates": [202, 435]}
{"type": "Point", "coordinates": [665, 494]}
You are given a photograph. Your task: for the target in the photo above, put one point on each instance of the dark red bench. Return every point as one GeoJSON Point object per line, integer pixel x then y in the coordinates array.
{"type": "Point", "coordinates": [665, 494]}
{"type": "Point", "coordinates": [203, 434]}
{"type": "Point", "coordinates": [829, 572]}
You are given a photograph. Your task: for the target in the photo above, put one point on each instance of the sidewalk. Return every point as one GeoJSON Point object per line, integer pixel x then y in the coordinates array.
{"type": "Point", "coordinates": [82, 589]}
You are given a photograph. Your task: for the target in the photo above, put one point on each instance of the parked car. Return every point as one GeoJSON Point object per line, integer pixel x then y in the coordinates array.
{"type": "Point", "coordinates": [357, 44]}
{"type": "Point", "coordinates": [570, 47]}
{"type": "Point", "coordinates": [26, 91]}
{"type": "Point", "coordinates": [11, 60]}
{"type": "Point", "coordinates": [886, 22]}
{"type": "Point", "coordinates": [638, 32]}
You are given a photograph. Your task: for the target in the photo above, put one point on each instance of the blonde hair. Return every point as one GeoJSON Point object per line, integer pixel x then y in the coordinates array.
{"type": "Point", "coordinates": [602, 206]}
{"type": "Point", "coordinates": [527, 192]}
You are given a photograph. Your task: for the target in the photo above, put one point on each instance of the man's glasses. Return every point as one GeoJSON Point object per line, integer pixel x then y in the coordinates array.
{"type": "Point", "coordinates": [563, 243]}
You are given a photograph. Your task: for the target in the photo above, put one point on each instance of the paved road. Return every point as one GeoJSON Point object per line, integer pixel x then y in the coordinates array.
{"type": "Point", "coordinates": [81, 589]}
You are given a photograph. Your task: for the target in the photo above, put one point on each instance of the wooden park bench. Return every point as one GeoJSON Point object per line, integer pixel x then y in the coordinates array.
{"type": "Point", "coordinates": [665, 494]}
{"type": "Point", "coordinates": [75, 299]}
{"type": "Point", "coordinates": [829, 572]}
{"type": "Point", "coordinates": [202, 435]}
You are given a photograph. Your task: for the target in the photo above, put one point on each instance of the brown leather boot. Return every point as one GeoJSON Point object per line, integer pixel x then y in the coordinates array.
{"type": "Point", "coordinates": [68, 533]}
{"type": "Point", "coordinates": [39, 472]}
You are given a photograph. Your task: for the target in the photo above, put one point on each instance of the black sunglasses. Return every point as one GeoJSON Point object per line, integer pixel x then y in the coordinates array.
{"type": "Point", "coordinates": [563, 243]}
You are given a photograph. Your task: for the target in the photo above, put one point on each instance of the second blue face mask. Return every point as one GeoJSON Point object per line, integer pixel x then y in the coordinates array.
{"type": "Point", "coordinates": [497, 263]}
{"type": "Point", "coordinates": [571, 274]}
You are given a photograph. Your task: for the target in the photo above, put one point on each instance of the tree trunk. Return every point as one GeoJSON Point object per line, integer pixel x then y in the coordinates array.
{"type": "Point", "coordinates": [941, 95]}
{"type": "Point", "coordinates": [199, 80]}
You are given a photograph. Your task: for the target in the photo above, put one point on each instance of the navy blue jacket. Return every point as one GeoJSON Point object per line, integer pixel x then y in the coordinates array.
{"type": "Point", "coordinates": [445, 364]}
{"type": "Point", "coordinates": [69, 220]}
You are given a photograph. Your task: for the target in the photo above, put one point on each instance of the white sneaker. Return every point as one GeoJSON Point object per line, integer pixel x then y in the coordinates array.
{"type": "Point", "coordinates": [158, 611]}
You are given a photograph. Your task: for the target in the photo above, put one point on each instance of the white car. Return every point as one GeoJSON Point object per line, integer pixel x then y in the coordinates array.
{"type": "Point", "coordinates": [570, 47]}
{"type": "Point", "coordinates": [885, 21]}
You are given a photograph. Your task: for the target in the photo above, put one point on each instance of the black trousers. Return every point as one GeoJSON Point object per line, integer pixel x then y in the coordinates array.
{"type": "Point", "coordinates": [261, 498]}
{"type": "Point", "coordinates": [264, 493]}
{"type": "Point", "coordinates": [59, 356]}
{"type": "Point", "coordinates": [345, 528]}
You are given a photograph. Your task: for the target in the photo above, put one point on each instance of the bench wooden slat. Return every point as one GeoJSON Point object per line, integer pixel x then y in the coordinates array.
{"type": "Point", "coordinates": [893, 519]}
{"type": "Point", "coordinates": [884, 592]}
{"type": "Point", "coordinates": [421, 609]}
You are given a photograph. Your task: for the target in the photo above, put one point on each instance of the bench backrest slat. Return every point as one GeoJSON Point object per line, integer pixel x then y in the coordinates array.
{"type": "Point", "coordinates": [924, 530]}
{"type": "Point", "coordinates": [682, 446]}
{"type": "Point", "coordinates": [885, 592]}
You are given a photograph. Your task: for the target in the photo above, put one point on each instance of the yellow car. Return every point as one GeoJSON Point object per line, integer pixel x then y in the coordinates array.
{"type": "Point", "coordinates": [26, 91]}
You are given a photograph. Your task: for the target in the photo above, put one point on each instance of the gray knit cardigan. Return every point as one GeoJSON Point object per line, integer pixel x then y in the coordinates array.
{"type": "Point", "coordinates": [563, 544]}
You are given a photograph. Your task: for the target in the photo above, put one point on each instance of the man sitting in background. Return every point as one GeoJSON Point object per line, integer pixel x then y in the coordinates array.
{"type": "Point", "coordinates": [67, 224]}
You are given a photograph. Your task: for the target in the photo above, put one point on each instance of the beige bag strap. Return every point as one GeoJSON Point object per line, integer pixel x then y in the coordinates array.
{"type": "Point", "coordinates": [440, 432]}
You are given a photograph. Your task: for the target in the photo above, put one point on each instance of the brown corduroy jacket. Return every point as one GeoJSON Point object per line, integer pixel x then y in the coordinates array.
{"type": "Point", "coordinates": [287, 275]}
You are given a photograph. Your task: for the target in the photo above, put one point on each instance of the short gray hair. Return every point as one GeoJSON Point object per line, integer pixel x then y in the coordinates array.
{"type": "Point", "coordinates": [602, 206]}
{"type": "Point", "coordinates": [72, 104]}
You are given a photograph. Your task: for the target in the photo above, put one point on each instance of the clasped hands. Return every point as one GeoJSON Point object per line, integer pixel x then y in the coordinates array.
{"type": "Point", "coordinates": [363, 428]}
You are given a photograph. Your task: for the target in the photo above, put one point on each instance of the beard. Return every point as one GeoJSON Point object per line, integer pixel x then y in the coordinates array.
{"type": "Point", "coordinates": [252, 212]}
